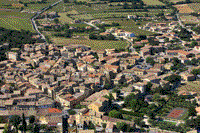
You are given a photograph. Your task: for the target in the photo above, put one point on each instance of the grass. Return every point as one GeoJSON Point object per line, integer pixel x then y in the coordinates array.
{"type": "Point", "coordinates": [94, 44]}
{"type": "Point", "coordinates": [190, 86]}
{"type": "Point", "coordinates": [153, 2]}
{"type": "Point", "coordinates": [16, 21]}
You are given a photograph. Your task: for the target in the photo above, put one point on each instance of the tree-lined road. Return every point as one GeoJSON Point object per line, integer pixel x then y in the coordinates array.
{"type": "Point", "coordinates": [37, 14]}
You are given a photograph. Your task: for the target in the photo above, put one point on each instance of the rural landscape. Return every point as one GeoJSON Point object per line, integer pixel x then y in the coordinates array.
{"type": "Point", "coordinates": [106, 66]}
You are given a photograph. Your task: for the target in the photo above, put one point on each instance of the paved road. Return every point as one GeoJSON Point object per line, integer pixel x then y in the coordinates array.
{"type": "Point", "coordinates": [184, 25]}
{"type": "Point", "coordinates": [92, 25]}
{"type": "Point", "coordinates": [37, 14]}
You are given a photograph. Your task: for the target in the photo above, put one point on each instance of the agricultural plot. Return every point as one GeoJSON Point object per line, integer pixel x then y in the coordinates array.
{"type": "Point", "coordinates": [189, 19]}
{"type": "Point", "coordinates": [130, 26]}
{"type": "Point", "coordinates": [153, 2]}
{"type": "Point", "coordinates": [175, 1]}
{"type": "Point", "coordinates": [195, 7]}
{"type": "Point", "coordinates": [82, 17]}
{"type": "Point", "coordinates": [16, 21]}
{"type": "Point", "coordinates": [94, 44]}
{"type": "Point", "coordinates": [184, 8]}
{"type": "Point", "coordinates": [64, 18]}
{"type": "Point", "coordinates": [190, 86]}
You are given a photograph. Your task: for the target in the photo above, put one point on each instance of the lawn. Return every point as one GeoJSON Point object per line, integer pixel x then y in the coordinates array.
{"type": "Point", "coordinates": [153, 2]}
{"type": "Point", "coordinates": [94, 44]}
{"type": "Point", "coordinates": [190, 86]}
{"type": "Point", "coordinates": [16, 21]}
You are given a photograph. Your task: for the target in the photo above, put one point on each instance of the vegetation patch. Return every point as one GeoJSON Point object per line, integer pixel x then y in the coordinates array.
{"type": "Point", "coordinates": [153, 2]}
{"type": "Point", "coordinates": [95, 44]}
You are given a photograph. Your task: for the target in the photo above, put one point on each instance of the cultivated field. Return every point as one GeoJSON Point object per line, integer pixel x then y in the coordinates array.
{"type": "Point", "coordinates": [153, 2]}
{"type": "Point", "coordinates": [16, 21]}
{"type": "Point", "coordinates": [195, 7]}
{"type": "Point", "coordinates": [82, 17]}
{"type": "Point", "coordinates": [190, 86]}
{"type": "Point", "coordinates": [130, 26]}
{"type": "Point", "coordinates": [184, 8]}
{"type": "Point", "coordinates": [94, 44]}
{"type": "Point", "coordinates": [175, 1]}
{"type": "Point", "coordinates": [189, 19]}
{"type": "Point", "coordinates": [64, 18]}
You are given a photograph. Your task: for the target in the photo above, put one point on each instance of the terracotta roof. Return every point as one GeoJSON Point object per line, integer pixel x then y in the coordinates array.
{"type": "Point", "coordinates": [54, 110]}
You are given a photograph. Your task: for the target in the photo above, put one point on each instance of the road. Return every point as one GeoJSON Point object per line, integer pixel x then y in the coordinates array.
{"type": "Point", "coordinates": [37, 14]}
{"type": "Point", "coordinates": [97, 28]}
{"type": "Point", "coordinates": [177, 15]}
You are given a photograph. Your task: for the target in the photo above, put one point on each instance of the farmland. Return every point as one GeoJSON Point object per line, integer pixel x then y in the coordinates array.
{"type": "Point", "coordinates": [94, 44]}
{"type": "Point", "coordinates": [195, 7]}
{"type": "Point", "coordinates": [16, 21]}
{"type": "Point", "coordinates": [152, 2]}
{"type": "Point", "coordinates": [64, 19]}
{"type": "Point", "coordinates": [184, 8]}
{"type": "Point", "coordinates": [130, 25]}
{"type": "Point", "coordinates": [190, 86]}
{"type": "Point", "coordinates": [189, 19]}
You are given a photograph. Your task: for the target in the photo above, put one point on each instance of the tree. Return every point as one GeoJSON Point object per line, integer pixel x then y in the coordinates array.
{"type": "Point", "coordinates": [15, 121]}
{"type": "Point", "coordinates": [156, 97]}
{"type": "Point", "coordinates": [91, 125]}
{"type": "Point", "coordinates": [71, 112]}
{"type": "Point", "coordinates": [115, 114]}
{"type": "Point", "coordinates": [192, 111]}
{"type": "Point", "coordinates": [193, 43]}
{"type": "Point", "coordinates": [122, 126]}
{"type": "Point", "coordinates": [56, 21]}
{"type": "Point", "coordinates": [174, 78]}
{"type": "Point", "coordinates": [148, 87]}
{"type": "Point", "coordinates": [31, 119]}
{"type": "Point", "coordinates": [24, 124]}
{"type": "Point", "coordinates": [150, 60]}
{"type": "Point", "coordinates": [36, 128]}
{"type": "Point", "coordinates": [195, 72]}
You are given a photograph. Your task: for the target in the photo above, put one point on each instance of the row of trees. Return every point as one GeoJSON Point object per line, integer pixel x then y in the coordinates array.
{"type": "Point", "coordinates": [95, 36]}
{"type": "Point", "coordinates": [15, 121]}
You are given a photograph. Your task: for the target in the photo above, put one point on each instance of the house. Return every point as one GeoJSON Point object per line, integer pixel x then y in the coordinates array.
{"type": "Point", "coordinates": [12, 56]}
{"type": "Point", "coordinates": [132, 16]}
{"type": "Point", "coordinates": [95, 21]}
{"type": "Point", "coordinates": [109, 127]}
{"type": "Point", "coordinates": [196, 47]}
{"type": "Point", "coordinates": [141, 86]}
{"type": "Point", "coordinates": [97, 106]}
{"type": "Point", "coordinates": [187, 77]}
{"type": "Point", "coordinates": [129, 34]}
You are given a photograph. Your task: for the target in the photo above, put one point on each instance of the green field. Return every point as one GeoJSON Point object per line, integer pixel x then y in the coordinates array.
{"type": "Point", "coordinates": [16, 21]}
{"type": "Point", "coordinates": [64, 19]}
{"type": "Point", "coordinates": [82, 16]}
{"type": "Point", "coordinates": [94, 44]}
{"type": "Point", "coordinates": [130, 26]}
{"type": "Point", "coordinates": [174, 1]}
{"type": "Point", "coordinates": [153, 2]}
